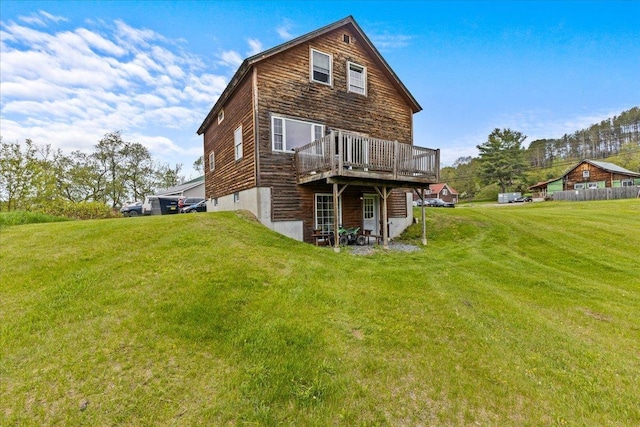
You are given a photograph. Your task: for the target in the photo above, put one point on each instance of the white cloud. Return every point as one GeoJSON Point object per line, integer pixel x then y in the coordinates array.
{"type": "Point", "coordinates": [255, 47]}
{"type": "Point", "coordinates": [41, 18]}
{"type": "Point", "coordinates": [68, 88]}
{"type": "Point", "coordinates": [284, 30]}
{"type": "Point", "coordinates": [390, 41]}
{"type": "Point", "coordinates": [230, 58]}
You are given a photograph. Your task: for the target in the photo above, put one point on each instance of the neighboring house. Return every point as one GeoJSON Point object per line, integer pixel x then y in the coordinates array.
{"type": "Point", "coordinates": [317, 119]}
{"type": "Point", "coordinates": [442, 191]}
{"type": "Point", "coordinates": [193, 188]}
{"type": "Point", "coordinates": [588, 174]}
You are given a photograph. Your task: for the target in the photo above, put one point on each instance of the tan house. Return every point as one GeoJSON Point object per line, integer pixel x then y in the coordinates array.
{"type": "Point", "coordinates": [316, 133]}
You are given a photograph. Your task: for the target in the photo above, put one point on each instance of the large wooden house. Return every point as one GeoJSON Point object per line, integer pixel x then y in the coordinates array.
{"type": "Point", "coordinates": [319, 119]}
{"type": "Point", "coordinates": [588, 175]}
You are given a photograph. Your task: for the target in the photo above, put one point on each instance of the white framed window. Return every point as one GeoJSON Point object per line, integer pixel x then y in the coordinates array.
{"type": "Point", "coordinates": [215, 201]}
{"type": "Point", "coordinates": [626, 183]}
{"type": "Point", "coordinates": [368, 208]}
{"type": "Point", "coordinates": [237, 142]}
{"type": "Point", "coordinates": [212, 161]}
{"type": "Point", "coordinates": [357, 78]}
{"type": "Point", "coordinates": [578, 186]}
{"type": "Point", "coordinates": [585, 174]}
{"type": "Point", "coordinates": [220, 116]}
{"type": "Point", "coordinates": [236, 197]}
{"type": "Point", "coordinates": [287, 134]}
{"type": "Point", "coordinates": [321, 67]}
{"type": "Point", "coordinates": [445, 192]}
{"type": "Point", "coordinates": [592, 185]}
{"type": "Point", "coordinates": [325, 211]}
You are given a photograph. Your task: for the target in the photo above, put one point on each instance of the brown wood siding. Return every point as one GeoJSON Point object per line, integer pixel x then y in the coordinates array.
{"type": "Point", "coordinates": [284, 89]}
{"type": "Point", "coordinates": [230, 175]}
{"type": "Point", "coordinates": [397, 203]}
{"type": "Point", "coordinates": [595, 174]}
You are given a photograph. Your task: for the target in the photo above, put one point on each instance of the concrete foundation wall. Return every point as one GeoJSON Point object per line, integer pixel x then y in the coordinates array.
{"type": "Point", "coordinates": [257, 201]}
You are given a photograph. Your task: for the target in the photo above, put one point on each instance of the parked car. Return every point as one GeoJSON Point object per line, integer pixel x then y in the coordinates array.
{"type": "Point", "coordinates": [438, 203]}
{"type": "Point", "coordinates": [198, 207]}
{"type": "Point", "coordinates": [133, 209]}
{"type": "Point", "coordinates": [522, 199]}
{"type": "Point", "coordinates": [183, 202]}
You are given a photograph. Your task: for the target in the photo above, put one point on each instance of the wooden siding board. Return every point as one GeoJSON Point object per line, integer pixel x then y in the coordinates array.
{"type": "Point", "coordinates": [231, 175]}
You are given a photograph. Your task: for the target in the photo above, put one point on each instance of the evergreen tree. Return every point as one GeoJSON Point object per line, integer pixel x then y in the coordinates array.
{"type": "Point", "coordinates": [502, 158]}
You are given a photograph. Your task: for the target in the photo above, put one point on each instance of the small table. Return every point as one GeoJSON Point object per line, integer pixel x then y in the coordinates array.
{"type": "Point", "coordinates": [318, 236]}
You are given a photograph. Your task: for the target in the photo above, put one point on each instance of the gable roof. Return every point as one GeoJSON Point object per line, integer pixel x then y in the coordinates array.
{"type": "Point", "coordinates": [349, 21]}
{"type": "Point", "coordinates": [437, 188]}
{"type": "Point", "coordinates": [609, 167]}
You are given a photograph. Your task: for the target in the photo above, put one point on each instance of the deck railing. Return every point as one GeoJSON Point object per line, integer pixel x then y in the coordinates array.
{"type": "Point", "coordinates": [339, 153]}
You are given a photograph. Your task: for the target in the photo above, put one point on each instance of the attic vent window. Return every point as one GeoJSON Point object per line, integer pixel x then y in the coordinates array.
{"type": "Point", "coordinates": [585, 174]}
{"type": "Point", "coordinates": [220, 116]}
{"type": "Point", "coordinates": [346, 38]}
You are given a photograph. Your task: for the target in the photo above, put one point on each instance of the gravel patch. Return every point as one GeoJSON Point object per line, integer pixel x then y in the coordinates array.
{"type": "Point", "coordinates": [370, 249]}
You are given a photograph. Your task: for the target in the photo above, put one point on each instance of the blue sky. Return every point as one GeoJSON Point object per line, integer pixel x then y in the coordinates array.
{"type": "Point", "coordinates": [72, 71]}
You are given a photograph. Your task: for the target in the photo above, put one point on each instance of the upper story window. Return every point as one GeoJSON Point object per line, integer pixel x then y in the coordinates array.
{"type": "Point", "coordinates": [585, 174]}
{"type": "Point", "coordinates": [237, 142]}
{"type": "Point", "coordinates": [357, 78]}
{"type": "Point", "coordinates": [287, 134]}
{"type": "Point", "coordinates": [212, 161]}
{"type": "Point", "coordinates": [321, 67]}
{"type": "Point", "coordinates": [220, 116]}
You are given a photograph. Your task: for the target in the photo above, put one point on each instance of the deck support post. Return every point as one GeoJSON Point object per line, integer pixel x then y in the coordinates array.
{"type": "Point", "coordinates": [336, 211]}
{"type": "Point", "coordinates": [424, 223]}
{"type": "Point", "coordinates": [385, 228]}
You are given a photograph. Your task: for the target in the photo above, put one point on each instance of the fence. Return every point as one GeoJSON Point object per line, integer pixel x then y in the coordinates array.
{"type": "Point", "coordinates": [598, 194]}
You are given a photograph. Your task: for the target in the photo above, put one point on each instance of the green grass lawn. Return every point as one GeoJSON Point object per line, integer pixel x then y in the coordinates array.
{"type": "Point", "coordinates": [513, 315]}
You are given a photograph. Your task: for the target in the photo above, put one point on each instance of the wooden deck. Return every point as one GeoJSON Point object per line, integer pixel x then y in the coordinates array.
{"type": "Point", "coordinates": [342, 154]}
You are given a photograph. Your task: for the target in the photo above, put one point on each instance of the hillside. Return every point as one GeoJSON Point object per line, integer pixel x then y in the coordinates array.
{"type": "Point", "coordinates": [512, 315]}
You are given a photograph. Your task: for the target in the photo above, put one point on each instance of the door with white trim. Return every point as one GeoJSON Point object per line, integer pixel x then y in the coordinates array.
{"type": "Point", "coordinates": [370, 212]}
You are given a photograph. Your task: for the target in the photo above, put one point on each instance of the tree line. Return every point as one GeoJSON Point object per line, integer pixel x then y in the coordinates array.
{"type": "Point", "coordinates": [115, 173]}
{"type": "Point", "coordinates": [598, 141]}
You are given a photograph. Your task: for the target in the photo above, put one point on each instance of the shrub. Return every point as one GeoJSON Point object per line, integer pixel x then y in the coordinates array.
{"type": "Point", "coordinates": [82, 210]}
{"type": "Point", "coordinates": [489, 192]}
